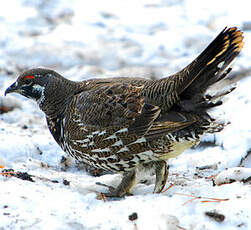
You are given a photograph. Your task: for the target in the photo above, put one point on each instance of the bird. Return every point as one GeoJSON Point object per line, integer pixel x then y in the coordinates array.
{"type": "Point", "coordinates": [123, 124]}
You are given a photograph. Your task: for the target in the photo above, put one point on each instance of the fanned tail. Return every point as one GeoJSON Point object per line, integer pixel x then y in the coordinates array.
{"type": "Point", "coordinates": [211, 65]}
{"type": "Point", "coordinates": [192, 83]}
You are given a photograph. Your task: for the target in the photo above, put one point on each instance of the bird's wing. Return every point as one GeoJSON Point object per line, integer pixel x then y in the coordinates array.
{"type": "Point", "coordinates": [115, 105]}
{"type": "Point", "coordinates": [169, 123]}
{"type": "Point", "coordinates": [121, 104]}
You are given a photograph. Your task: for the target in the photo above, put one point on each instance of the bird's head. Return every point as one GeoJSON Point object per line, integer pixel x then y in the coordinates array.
{"type": "Point", "coordinates": [32, 84]}
{"type": "Point", "coordinates": [48, 88]}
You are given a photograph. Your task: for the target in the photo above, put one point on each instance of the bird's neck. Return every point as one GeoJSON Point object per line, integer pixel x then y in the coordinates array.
{"type": "Point", "coordinates": [58, 95]}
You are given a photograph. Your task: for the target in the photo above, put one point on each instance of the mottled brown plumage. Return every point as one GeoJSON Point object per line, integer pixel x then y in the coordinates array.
{"type": "Point", "coordinates": [120, 124]}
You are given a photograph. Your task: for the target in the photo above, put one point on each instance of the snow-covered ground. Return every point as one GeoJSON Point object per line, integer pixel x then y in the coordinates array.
{"type": "Point", "coordinates": [86, 39]}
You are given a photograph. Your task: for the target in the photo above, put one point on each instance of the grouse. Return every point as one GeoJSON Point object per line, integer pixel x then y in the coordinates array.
{"type": "Point", "coordinates": [123, 124]}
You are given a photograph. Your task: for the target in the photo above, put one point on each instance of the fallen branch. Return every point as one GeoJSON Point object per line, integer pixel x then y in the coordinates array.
{"type": "Point", "coordinates": [170, 186]}
{"type": "Point", "coordinates": [207, 199]}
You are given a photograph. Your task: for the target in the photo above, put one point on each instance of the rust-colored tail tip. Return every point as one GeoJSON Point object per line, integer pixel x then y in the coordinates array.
{"type": "Point", "coordinates": [233, 42]}
{"type": "Point", "coordinates": [236, 37]}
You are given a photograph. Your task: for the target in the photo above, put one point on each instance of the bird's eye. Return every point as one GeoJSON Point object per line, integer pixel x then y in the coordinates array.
{"type": "Point", "coordinates": [27, 81]}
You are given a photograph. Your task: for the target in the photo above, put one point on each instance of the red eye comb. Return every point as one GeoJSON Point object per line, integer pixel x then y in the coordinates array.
{"type": "Point", "coordinates": [29, 77]}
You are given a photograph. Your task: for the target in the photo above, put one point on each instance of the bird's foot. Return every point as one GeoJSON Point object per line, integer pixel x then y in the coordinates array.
{"type": "Point", "coordinates": [123, 189]}
{"type": "Point", "coordinates": [113, 192]}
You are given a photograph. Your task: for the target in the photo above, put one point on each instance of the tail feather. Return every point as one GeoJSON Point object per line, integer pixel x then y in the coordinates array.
{"type": "Point", "coordinates": [196, 96]}
{"type": "Point", "coordinates": [185, 94]}
{"type": "Point", "coordinates": [210, 66]}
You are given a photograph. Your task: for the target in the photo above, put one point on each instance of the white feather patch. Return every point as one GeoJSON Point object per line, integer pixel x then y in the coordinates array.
{"type": "Point", "coordinates": [124, 149]}
{"type": "Point", "coordinates": [118, 143]}
{"type": "Point", "coordinates": [140, 140]}
{"type": "Point", "coordinates": [101, 150]}
{"type": "Point", "coordinates": [111, 137]}
{"type": "Point", "coordinates": [220, 64]}
{"type": "Point", "coordinates": [122, 130]}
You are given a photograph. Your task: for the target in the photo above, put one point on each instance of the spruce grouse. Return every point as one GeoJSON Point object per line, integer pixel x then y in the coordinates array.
{"type": "Point", "coordinates": [121, 124]}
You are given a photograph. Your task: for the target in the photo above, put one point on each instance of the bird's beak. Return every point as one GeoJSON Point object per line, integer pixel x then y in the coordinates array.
{"type": "Point", "coordinates": [11, 89]}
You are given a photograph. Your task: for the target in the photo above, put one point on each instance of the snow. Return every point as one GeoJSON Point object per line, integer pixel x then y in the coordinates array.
{"type": "Point", "coordinates": [233, 174]}
{"type": "Point", "coordinates": [82, 40]}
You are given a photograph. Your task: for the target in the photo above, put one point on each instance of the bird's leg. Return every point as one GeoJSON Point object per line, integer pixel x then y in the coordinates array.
{"type": "Point", "coordinates": [162, 171]}
{"type": "Point", "coordinates": [124, 187]}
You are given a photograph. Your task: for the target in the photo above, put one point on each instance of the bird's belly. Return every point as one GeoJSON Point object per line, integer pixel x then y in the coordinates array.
{"type": "Point", "coordinates": [113, 162]}
{"type": "Point", "coordinates": [108, 151]}
{"type": "Point", "coordinates": [112, 157]}
{"type": "Point", "coordinates": [176, 148]}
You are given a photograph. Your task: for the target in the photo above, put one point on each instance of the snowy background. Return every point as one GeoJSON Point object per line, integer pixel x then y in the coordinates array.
{"type": "Point", "coordinates": [86, 39]}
